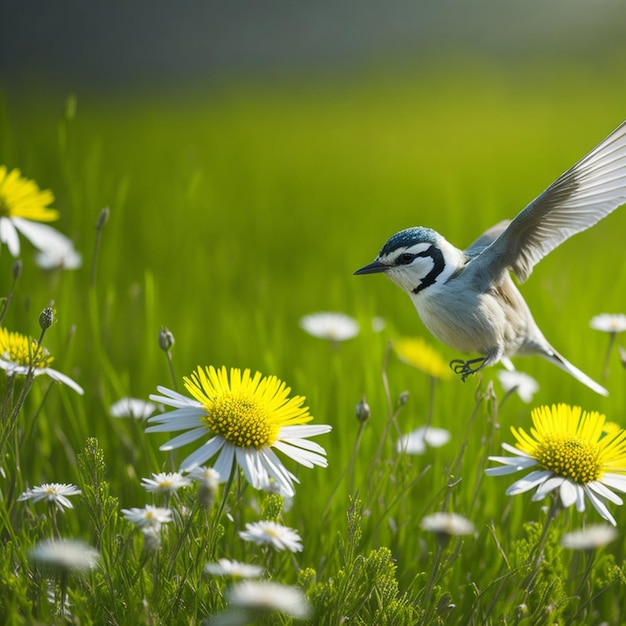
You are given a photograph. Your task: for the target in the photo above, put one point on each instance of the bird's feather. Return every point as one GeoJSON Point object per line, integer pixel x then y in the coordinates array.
{"type": "Point", "coordinates": [587, 192]}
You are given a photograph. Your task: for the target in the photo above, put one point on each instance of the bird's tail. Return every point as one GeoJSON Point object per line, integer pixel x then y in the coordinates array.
{"type": "Point", "coordinates": [564, 364]}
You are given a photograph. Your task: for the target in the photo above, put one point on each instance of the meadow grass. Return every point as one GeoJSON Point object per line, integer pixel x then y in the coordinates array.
{"type": "Point", "coordinates": [232, 214]}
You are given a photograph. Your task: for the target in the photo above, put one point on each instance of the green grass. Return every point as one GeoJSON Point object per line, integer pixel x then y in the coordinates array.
{"type": "Point", "coordinates": [234, 213]}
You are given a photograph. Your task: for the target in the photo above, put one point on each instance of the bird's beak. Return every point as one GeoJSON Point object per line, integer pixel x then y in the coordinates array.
{"type": "Point", "coordinates": [373, 268]}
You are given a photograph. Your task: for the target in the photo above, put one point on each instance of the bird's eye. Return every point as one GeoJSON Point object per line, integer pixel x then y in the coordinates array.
{"type": "Point", "coordinates": [405, 259]}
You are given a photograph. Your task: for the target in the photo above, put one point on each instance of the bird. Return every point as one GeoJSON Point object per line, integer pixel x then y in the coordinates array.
{"type": "Point", "coordinates": [468, 299]}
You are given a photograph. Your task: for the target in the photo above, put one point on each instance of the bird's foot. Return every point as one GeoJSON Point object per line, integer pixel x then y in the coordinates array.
{"type": "Point", "coordinates": [465, 368]}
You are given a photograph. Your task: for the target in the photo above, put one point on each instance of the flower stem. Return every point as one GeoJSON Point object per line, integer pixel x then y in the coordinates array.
{"type": "Point", "coordinates": [529, 582]}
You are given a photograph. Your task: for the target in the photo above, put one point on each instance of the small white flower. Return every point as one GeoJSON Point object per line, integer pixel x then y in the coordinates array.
{"type": "Point", "coordinates": [227, 567]}
{"type": "Point", "coordinates": [275, 535]}
{"type": "Point", "coordinates": [132, 407]}
{"type": "Point", "coordinates": [266, 596]}
{"type": "Point", "coordinates": [590, 538]}
{"type": "Point", "coordinates": [333, 326]}
{"type": "Point", "coordinates": [609, 322]}
{"type": "Point", "coordinates": [65, 555]}
{"type": "Point", "coordinates": [148, 517]}
{"type": "Point", "coordinates": [208, 480]}
{"type": "Point", "coordinates": [165, 482]}
{"type": "Point", "coordinates": [417, 440]}
{"type": "Point", "coordinates": [447, 524]}
{"type": "Point", "coordinates": [55, 493]}
{"type": "Point", "coordinates": [525, 386]}
{"type": "Point", "coordinates": [205, 475]}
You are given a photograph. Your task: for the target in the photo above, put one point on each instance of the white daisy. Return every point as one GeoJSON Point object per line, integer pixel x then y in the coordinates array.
{"type": "Point", "coordinates": [447, 524]}
{"type": "Point", "coordinates": [244, 418]}
{"type": "Point", "coordinates": [416, 441]}
{"type": "Point", "coordinates": [23, 206]}
{"type": "Point", "coordinates": [150, 517]}
{"type": "Point", "coordinates": [165, 482]}
{"type": "Point", "coordinates": [590, 538]}
{"type": "Point", "coordinates": [235, 569]}
{"type": "Point", "coordinates": [609, 322]}
{"type": "Point", "coordinates": [65, 555]}
{"type": "Point", "coordinates": [513, 380]}
{"type": "Point", "coordinates": [266, 596]}
{"type": "Point", "coordinates": [132, 407]}
{"type": "Point", "coordinates": [571, 452]}
{"type": "Point", "coordinates": [54, 493]}
{"type": "Point", "coordinates": [273, 534]}
{"type": "Point", "coordinates": [333, 326]}
{"type": "Point", "coordinates": [16, 359]}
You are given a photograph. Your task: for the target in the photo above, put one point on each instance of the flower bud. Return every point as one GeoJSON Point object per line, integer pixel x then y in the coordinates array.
{"type": "Point", "coordinates": [166, 339]}
{"type": "Point", "coordinates": [47, 317]}
{"type": "Point", "coordinates": [363, 412]}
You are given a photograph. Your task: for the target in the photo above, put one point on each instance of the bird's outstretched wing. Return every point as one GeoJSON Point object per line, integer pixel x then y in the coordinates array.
{"type": "Point", "coordinates": [578, 199]}
{"type": "Point", "coordinates": [487, 238]}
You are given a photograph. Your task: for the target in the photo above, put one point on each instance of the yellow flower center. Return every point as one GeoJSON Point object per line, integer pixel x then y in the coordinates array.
{"type": "Point", "coordinates": [570, 457]}
{"type": "Point", "coordinates": [242, 420]}
{"type": "Point", "coordinates": [20, 350]}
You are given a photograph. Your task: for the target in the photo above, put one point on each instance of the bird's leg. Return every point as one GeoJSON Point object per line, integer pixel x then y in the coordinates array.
{"type": "Point", "coordinates": [465, 368]}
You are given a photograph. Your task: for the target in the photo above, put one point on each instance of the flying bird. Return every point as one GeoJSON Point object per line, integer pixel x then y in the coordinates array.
{"type": "Point", "coordinates": [467, 298]}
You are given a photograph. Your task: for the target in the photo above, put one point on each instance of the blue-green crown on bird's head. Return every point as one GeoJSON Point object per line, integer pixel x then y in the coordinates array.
{"type": "Point", "coordinates": [409, 237]}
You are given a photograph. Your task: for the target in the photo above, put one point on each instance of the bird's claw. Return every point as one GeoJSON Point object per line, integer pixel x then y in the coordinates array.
{"type": "Point", "coordinates": [466, 368]}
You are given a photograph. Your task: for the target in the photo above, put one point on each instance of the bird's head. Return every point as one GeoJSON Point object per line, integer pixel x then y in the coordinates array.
{"type": "Point", "coordinates": [415, 259]}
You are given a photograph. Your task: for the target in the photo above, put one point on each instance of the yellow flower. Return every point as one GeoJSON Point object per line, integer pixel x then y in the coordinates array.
{"type": "Point", "coordinates": [16, 358]}
{"type": "Point", "coordinates": [245, 418]}
{"type": "Point", "coordinates": [21, 197]}
{"type": "Point", "coordinates": [416, 352]}
{"type": "Point", "coordinates": [573, 453]}
{"type": "Point", "coordinates": [23, 206]}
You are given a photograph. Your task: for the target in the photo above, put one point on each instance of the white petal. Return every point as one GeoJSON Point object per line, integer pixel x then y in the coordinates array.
{"type": "Point", "coordinates": [304, 457]}
{"type": "Point", "coordinates": [9, 235]}
{"type": "Point", "coordinates": [12, 368]}
{"type": "Point", "coordinates": [436, 437]}
{"type": "Point", "coordinates": [528, 482]}
{"type": "Point", "coordinates": [605, 492]}
{"type": "Point", "coordinates": [407, 444]}
{"type": "Point", "coordinates": [283, 477]}
{"type": "Point", "coordinates": [599, 506]}
{"type": "Point", "coordinates": [247, 459]}
{"type": "Point", "coordinates": [511, 463]}
{"type": "Point", "coordinates": [181, 440]}
{"type": "Point", "coordinates": [516, 451]}
{"type": "Point", "coordinates": [580, 498]}
{"type": "Point", "coordinates": [547, 486]}
{"type": "Point", "coordinates": [41, 235]}
{"type": "Point", "coordinates": [569, 493]}
{"type": "Point", "coordinates": [224, 463]}
{"type": "Point", "coordinates": [615, 481]}
{"type": "Point", "coordinates": [62, 378]}
{"type": "Point", "coordinates": [202, 454]}
{"type": "Point", "coordinates": [303, 431]}
{"type": "Point", "coordinates": [179, 419]}
{"type": "Point", "coordinates": [173, 398]}
{"type": "Point", "coordinates": [306, 444]}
